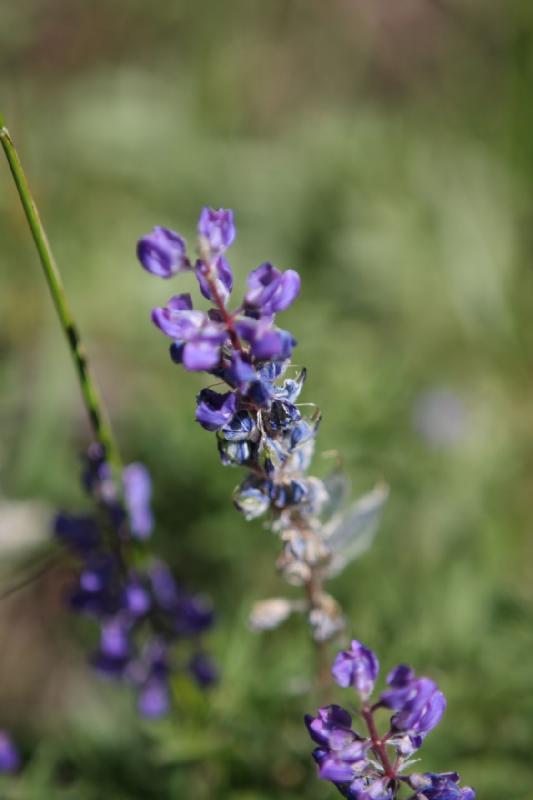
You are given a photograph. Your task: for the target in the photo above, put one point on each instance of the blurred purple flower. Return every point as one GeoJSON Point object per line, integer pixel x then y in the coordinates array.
{"type": "Point", "coordinates": [137, 496]}
{"type": "Point", "coordinates": [154, 699]}
{"type": "Point", "coordinates": [203, 669]}
{"type": "Point", "coordinates": [9, 754]}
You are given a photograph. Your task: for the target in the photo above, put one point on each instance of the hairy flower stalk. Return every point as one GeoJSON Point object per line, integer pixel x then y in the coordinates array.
{"type": "Point", "coordinates": [259, 424]}
{"type": "Point", "coordinates": [148, 625]}
{"type": "Point", "coordinates": [370, 765]}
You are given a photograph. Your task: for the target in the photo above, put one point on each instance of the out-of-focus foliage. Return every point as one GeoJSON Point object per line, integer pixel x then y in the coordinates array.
{"type": "Point", "coordinates": [385, 150]}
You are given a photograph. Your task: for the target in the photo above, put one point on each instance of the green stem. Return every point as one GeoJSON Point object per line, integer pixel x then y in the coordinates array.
{"type": "Point", "coordinates": [91, 396]}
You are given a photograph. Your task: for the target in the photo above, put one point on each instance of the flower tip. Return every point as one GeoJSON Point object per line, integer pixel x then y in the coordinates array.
{"type": "Point", "coordinates": [216, 230]}
{"type": "Point", "coordinates": [162, 252]}
{"type": "Point", "coordinates": [357, 667]}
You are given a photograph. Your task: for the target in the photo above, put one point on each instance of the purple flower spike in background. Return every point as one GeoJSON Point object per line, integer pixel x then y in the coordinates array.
{"type": "Point", "coordinates": [371, 765]}
{"type": "Point", "coordinates": [163, 253]}
{"type": "Point", "coordinates": [9, 755]}
{"type": "Point", "coordinates": [141, 610]}
{"type": "Point", "coordinates": [357, 667]}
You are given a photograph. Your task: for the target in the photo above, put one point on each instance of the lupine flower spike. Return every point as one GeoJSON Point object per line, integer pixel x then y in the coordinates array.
{"type": "Point", "coordinates": [141, 611]}
{"type": "Point", "coordinates": [257, 419]}
{"type": "Point", "coordinates": [369, 765]}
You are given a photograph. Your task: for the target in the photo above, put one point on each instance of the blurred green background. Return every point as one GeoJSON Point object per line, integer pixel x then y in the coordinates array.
{"type": "Point", "coordinates": [385, 150]}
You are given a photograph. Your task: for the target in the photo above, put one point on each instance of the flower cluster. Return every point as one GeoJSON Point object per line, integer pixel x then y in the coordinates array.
{"type": "Point", "coordinates": [141, 610]}
{"type": "Point", "coordinates": [258, 422]}
{"type": "Point", "coordinates": [371, 766]}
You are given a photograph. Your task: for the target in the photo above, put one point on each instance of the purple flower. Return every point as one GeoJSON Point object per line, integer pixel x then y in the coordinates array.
{"type": "Point", "coordinates": [79, 532]}
{"type": "Point", "coordinates": [151, 664]}
{"type": "Point", "coordinates": [216, 230]}
{"type": "Point", "coordinates": [218, 273]}
{"type": "Point", "coordinates": [9, 755]}
{"type": "Point", "coordinates": [265, 341]}
{"type": "Point", "coordinates": [440, 787]}
{"type": "Point", "coordinates": [154, 699]}
{"type": "Point", "coordinates": [114, 639]}
{"type": "Point", "coordinates": [328, 722]}
{"type": "Point", "coordinates": [136, 598]}
{"type": "Point", "coordinates": [203, 670]}
{"type": "Point", "coordinates": [364, 769]}
{"type": "Point", "coordinates": [95, 593]}
{"type": "Point", "coordinates": [164, 586]}
{"type": "Point", "coordinates": [137, 496]}
{"type": "Point", "coordinates": [240, 372]}
{"type": "Point", "coordinates": [177, 319]}
{"type": "Point", "coordinates": [418, 702]}
{"type": "Point", "coordinates": [357, 667]}
{"type": "Point", "coordinates": [193, 615]}
{"type": "Point", "coordinates": [200, 336]}
{"type": "Point", "coordinates": [215, 410]}
{"type": "Point", "coordinates": [163, 253]}
{"type": "Point", "coordinates": [374, 790]}
{"type": "Point", "coordinates": [344, 764]}
{"type": "Point", "coordinates": [240, 428]}
{"type": "Point", "coordinates": [270, 290]}
{"type": "Point", "coordinates": [342, 753]}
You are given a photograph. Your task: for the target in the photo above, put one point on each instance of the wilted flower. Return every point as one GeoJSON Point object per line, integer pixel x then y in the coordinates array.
{"type": "Point", "coordinates": [269, 614]}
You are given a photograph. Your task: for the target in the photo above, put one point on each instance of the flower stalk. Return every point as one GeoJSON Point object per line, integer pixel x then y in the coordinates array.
{"type": "Point", "coordinates": [91, 396]}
